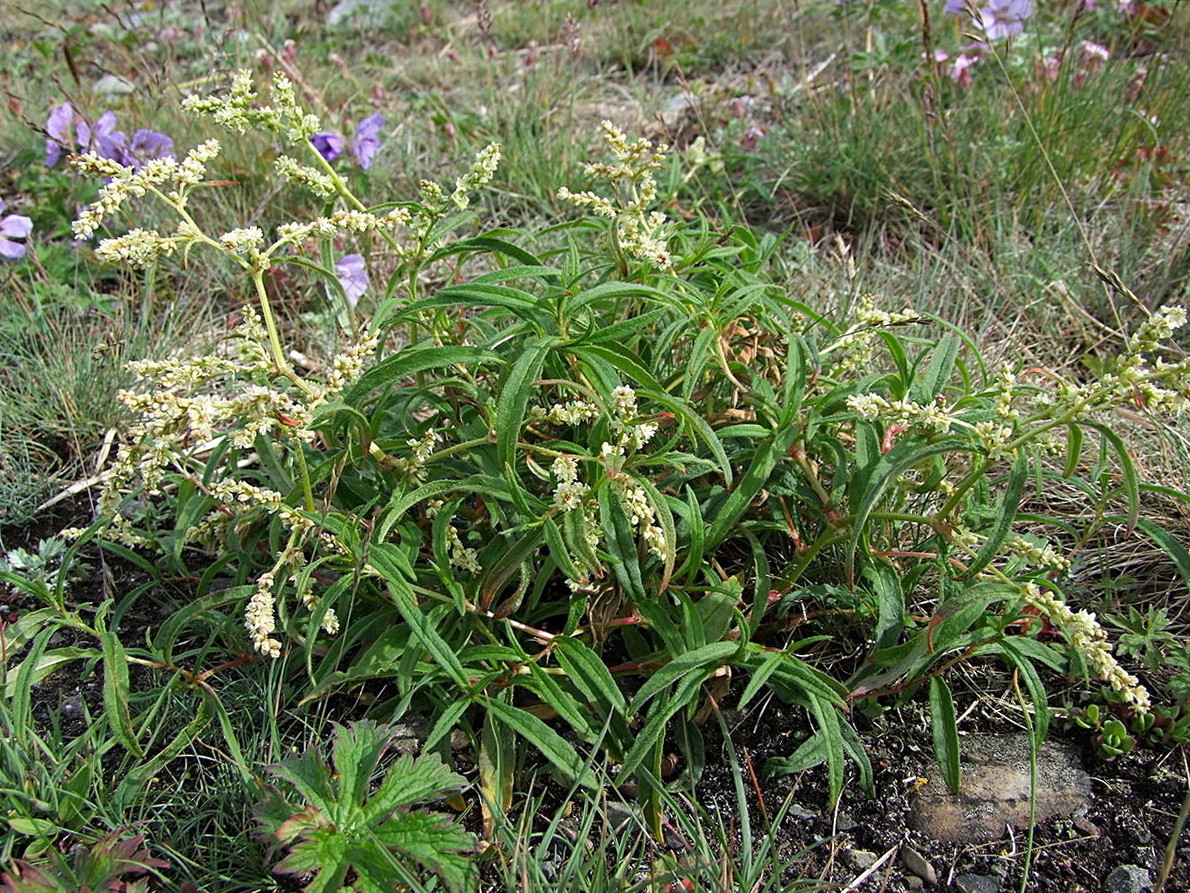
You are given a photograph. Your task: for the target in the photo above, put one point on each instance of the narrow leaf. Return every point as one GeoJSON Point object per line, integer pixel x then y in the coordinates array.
{"type": "Point", "coordinates": [946, 732]}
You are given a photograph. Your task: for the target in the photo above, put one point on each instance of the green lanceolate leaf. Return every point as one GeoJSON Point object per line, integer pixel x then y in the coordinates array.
{"type": "Point", "coordinates": [706, 658]}
{"type": "Point", "coordinates": [590, 676]}
{"type": "Point", "coordinates": [685, 694]}
{"type": "Point", "coordinates": [620, 538]}
{"type": "Point", "coordinates": [116, 692]}
{"type": "Point", "coordinates": [427, 635]}
{"type": "Point", "coordinates": [1002, 525]}
{"type": "Point", "coordinates": [928, 386]}
{"type": "Point", "coordinates": [553, 747]}
{"type": "Point", "coordinates": [513, 403]}
{"type": "Point", "coordinates": [946, 732]}
{"type": "Point", "coordinates": [901, 457]}
{"type": "Point", "coordinates": [414, 359]}
{"type": "Point", "coordinates": [1129, 480]}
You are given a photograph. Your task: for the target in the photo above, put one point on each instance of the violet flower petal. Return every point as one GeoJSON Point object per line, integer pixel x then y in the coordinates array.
{"type": "Point", "coordinates": [328, 145]}
{"type": "Point", "coordinates": [15, 226]}
{"type": "Point", "coordinates": [147, 145]}
{"type": "Point", "coordinates": [367, 139]}
{"type": "Point", "coordinates": [353, 276]}
{"type": "Point", "coordinates": [57, 126]}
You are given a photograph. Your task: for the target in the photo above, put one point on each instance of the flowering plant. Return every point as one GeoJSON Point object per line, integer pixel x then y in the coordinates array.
{"type": "Point", "coordinates": [641, 449]}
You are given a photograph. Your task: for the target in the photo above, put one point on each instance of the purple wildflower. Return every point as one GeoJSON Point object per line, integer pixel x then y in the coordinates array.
{"type": "Point", "coordinates": [104, 140]}
{"type": "Point", "coordinates": [13, 226]}
{"type": "Point", "coordinates": [353, 276]}
{"type": "Point", "coordinates": [1004, 18]}
{"type": "Point", "coordinates": [960, 71]}
{"type": "Point", "coordinates": [367, 139]}
{"type": "Point", "coordinates": [956, 6]}
{"type": "Point", "coordinates": [69, 131]}
{"type": "Point", "coordinates": [145, 146]}
{"type": "Point", "coordinates": [328, 145]}
{"type": "Point", "coordinates": [59, 126]}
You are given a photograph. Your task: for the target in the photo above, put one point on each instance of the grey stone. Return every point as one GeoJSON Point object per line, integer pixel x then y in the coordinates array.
{"type": "Point", "coordinates": [71, 708]}
{"type": "Point", "coordinates": [860, 860]}
{"type": "Point", "coordinates": [918, 864]}
{"type": "Point", "coordinates": [994, 792]}
{"type": "Point", "coordinates": [845, 822]}
{"type": "Point", "coordinates": [977, 883]}
{"type": "Point", "coordinates": [1128, 879]}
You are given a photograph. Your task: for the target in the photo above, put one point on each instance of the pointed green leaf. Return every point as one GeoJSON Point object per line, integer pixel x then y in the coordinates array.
{"type": "Point", "coordinates": [553, 747]}
{"type": "Point", "coordinates": [708, 657]}
{"type": "Point", "coordinates": [116, 692]}
{"type": "Point", "coordinates": [946, 732]}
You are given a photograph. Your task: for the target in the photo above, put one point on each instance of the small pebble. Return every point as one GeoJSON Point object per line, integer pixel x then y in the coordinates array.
{"type": "Point", "coordinates": [918, 864]}
{"type": "Point", "coordinates": [71, 708]}
{"type": "Point", "coordinates": [860, 860]}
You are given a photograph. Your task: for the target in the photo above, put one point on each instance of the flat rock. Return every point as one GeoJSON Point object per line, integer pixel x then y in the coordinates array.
{"type": "Point", "coordinates": [977, 883]}
{"type": "Point", "coordinates": [1128, 879]}
{"type": "Point", "coordinates": [995, 790]}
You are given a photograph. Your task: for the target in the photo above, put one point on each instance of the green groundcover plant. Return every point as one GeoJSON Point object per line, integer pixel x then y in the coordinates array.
{"type": "Point", "coordinates": [577, 487]}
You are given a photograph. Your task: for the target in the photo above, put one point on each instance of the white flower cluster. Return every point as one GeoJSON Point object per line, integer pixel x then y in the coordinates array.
{"type": "Point", "coordinates": [1038, 554]}
{"type": "Point", "coordinates": [480, 174]}
{"type": "Point", "coordinates": [260, 617]}
{"type": "Point", "coordinates": [343, 221]}
{"type": "Point", "coordinates": [168, 178]}
{"type": "Point", "coordinates": [186, 405]}
{"type": "Point", "coordinates": [1084, 634]}
{"type": "Point", "coordinates": [632, 433]}
{"type": "Point", "coordinates": [994, 438]}
{"type": "Point", "coordinates": [854, 347]}
{"type": "Point", "coordinates": [460, 555]}
{"type": "Point", "coordinates": [900, 413]}
{"type": "Point", "coordinates": [1005, 393]}
{"type": "Point", "coordinates": [1133, 380]}
{"type": "Point", "coordinates": [572, 413]}
{"type": "Point", "coordinates": [348, 366]}
{"type": "Point", "coordinates": [238, 109]}
{"type": "Point", "coordinates": [1033, 551]}
{"type": "Point", "coordinates": [569, 492]}
{"type": "Point", "coordinates": [639, 232]}
{"type": "Point", "coordinates": [292, 171]}
{"type": "Point", "coordinates": [640, 512]}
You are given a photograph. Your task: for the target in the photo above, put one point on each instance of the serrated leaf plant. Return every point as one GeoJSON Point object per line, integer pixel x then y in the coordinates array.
{"type": "Point", "coordinates": [113, 864]}
{"type": "Point", "coordinates": [572, 487]}
{"type": "Point", "coordinates": [365, 816]}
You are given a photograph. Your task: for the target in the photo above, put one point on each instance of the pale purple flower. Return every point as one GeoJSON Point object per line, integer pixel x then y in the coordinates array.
{"type": "Point", "coordinates": [956, 6]}
{"type": "Point", "coordinates": [1004, 18]}
{"type": "Point", "coordinates": [13, 226]}
{"type": "Point", "coordinates": [68, 131]}
{"type": "Point", "coordinates": [104, 140]}
{"type": "Point", "coordinates": [147, 145]}
{"type": "Point", "coordinates": [960, 70]}
{"type": "Point", "coordinates": [353, 276]}
{"type": "Point", "coordinates": [367, 139]}
{"type": "Point", "coordinates": [329, 145]}
{"type": "Point", "coordinates": [59, 126]}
